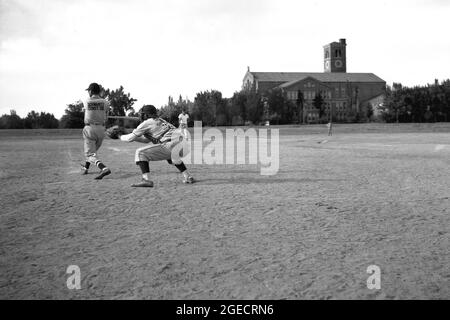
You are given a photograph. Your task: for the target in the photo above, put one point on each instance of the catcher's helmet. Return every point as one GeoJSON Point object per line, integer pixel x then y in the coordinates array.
{"type": "Point", "coordinates": [149, 110]}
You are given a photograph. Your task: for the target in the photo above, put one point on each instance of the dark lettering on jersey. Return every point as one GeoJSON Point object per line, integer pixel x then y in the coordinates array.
{"type": "Point", "coordinates": [165, 126]}
{"type": "Point", "coordinates": [96, 106]}
{"type": "Point", "coordinates": [163, 123]}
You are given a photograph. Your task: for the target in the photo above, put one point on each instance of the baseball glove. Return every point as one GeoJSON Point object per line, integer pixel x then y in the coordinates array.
{"type": "Point", "coordinates": [115, 132]}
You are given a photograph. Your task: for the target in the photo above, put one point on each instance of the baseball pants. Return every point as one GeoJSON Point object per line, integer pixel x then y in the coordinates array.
{"type": "Point", "coordinates": [158, 152]}
{"type": "Point", "coordinates": [93, 136]}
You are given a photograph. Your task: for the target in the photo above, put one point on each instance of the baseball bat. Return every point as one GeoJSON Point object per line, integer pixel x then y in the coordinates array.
{"type": "Point", "coordinates": [124, 117]}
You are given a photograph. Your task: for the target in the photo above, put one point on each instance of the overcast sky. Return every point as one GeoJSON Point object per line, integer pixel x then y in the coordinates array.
{"type": "Point", "coordinates": [50, 50]}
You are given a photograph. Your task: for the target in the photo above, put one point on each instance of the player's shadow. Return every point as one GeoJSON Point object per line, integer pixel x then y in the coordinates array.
{"type": "Point", "coordinates": [260, 180]}
{"type": "Point", "coordinates": [123, 176]}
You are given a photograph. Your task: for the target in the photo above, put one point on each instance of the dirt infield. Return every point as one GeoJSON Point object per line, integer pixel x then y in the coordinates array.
{"type": "Point", "coordinates": [369, 195]}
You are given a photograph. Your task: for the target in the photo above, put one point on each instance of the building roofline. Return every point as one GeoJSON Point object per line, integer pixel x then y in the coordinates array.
{"type": "Point", "coordinates": [320, 76]}
{"type": "Point", "coordinates": [288, 84]}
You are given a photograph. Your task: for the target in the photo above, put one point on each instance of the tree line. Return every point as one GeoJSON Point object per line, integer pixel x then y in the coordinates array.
{"type": "Point", "coordinates": [34, 120]}
{"type": "Point", "coordinates": [428, 103]}
{"type": "Point", "coordinates": [121, 103]}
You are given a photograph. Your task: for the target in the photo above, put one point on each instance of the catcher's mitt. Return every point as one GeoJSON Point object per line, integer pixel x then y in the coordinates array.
{"type": "Point", "coordinates": [115, 132]}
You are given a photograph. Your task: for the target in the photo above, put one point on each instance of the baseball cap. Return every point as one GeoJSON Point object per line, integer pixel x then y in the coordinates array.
{"type": "Point", "coordinates": [94, 87]}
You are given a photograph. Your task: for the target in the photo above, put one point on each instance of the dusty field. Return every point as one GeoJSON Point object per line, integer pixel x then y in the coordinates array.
{"type": "Point", "coordinates": [371, 195]}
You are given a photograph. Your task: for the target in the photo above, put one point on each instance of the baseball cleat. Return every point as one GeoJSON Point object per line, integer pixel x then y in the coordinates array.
{"type": "Point", "coordinates": [143, 184]}
{"type": "Point", "coordinates": [84, 170]}
{"type": "Point", "coordinates": [102, 174]}
{"type": "Point", "coordinates": [188, 179]}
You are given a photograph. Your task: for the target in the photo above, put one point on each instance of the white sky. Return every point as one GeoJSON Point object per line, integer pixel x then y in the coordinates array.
{"type": "Point", "coordinates": [50, 50]}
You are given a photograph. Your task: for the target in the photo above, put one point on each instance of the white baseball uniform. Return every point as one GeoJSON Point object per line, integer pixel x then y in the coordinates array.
{"type": "Point", "coordinates": [163, 136]}
{"type": "Point", "coordinates": [95, 113]}
{"type": "Point", "coordinates": [183, 119]}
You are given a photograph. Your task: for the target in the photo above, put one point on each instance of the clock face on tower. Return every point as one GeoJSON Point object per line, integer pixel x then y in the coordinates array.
{"type": "Point", "coordinates": [338, 63]}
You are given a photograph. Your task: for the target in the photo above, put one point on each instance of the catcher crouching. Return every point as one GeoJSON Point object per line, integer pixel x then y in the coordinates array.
{"type": "Point", "coordinates": [162, 138]}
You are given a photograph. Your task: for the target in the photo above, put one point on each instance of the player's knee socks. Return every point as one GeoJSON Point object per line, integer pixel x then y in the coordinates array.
{"type": "Point", "coordinates": [87, 165]}
{"type": "Point", "coordinates": [181, 167]}
{"type": "Point", "coordinates": [145, 167]}
{"type": "Point", "coordinates": [100, 165]}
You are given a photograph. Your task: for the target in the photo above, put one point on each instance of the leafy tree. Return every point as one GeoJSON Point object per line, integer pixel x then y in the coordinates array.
{"type": "Point", "coordinates": [280, 108]}
{"type": "Point", "coordinates": [300, 105]}
{"type": "Point", "coordinates": [428, 115]}
{"type": "Point", "coordinates": [392, 103]}
{"type": "Point", "coordinates": [359, 116]}
{"type": "Point", "coordinates": [120, 101]}
{"type": "Point", "coordinates": [43, 120]}
{"type": "Point", "coordinates": [48, 121]}
{"type": "Point", "coordinates": [247, 105]}
{"type": "Point", "coordinates": [319, 104]}
{"type": "Point", "coordinates": [206, 106]}
{"type": "Point", "coordinates": [369, 111]}
{"type": "Point", "coordinates": [404, 104]}
{"type": "Point", "coordinates": [254, 106]}
{"type": "Point", "coordinates": [239, 105]}
{"type": "Point", "coordinates": [418, 104]}
{"type": "Point", "coordinates": [170, 112]}
{"type": "Point", "coordinates": [11, 121]}
{"type": "Point", "coordinates": [222, 112]}
{"type": "Point", "coordinates": [73, 117]}
{"type": "Point", "coordinates": [31, 121]}
{"type": "Point", "coordinates": [276, 101]}
{"type": "Point", "coordinates": [237, 110]}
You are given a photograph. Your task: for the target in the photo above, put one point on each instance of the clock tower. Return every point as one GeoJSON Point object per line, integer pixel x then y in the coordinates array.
{"type": "Point", "coordinates": [335, 57]}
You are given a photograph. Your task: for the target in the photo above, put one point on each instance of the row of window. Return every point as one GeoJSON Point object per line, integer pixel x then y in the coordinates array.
{"type": "Point", "coordinates": [310, 95]}
{"type": "Point", "coordinates": [337, 107]}
{"type": "Point", "coordinates": [343, 91]}
{"type": "Point", "coordinates": [312, 116]}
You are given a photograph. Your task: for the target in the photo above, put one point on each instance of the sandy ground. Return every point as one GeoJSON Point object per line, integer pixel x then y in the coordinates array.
{"type": "Point", "coordinates": [365, 197]}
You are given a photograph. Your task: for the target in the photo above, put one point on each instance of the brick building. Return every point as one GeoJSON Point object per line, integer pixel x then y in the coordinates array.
{"type": "Point", "coordinates": [344, 94]}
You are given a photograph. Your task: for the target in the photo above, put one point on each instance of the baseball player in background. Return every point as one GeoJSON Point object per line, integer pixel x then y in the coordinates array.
{"type": "Point", "coordinates": [95, 112]}
{"type": "Point", "coordinates": [330, 128]}
{"type": "Point", "coordinates": [183, 119]}
{"type": "Point", "coordinates": [161, 137]}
